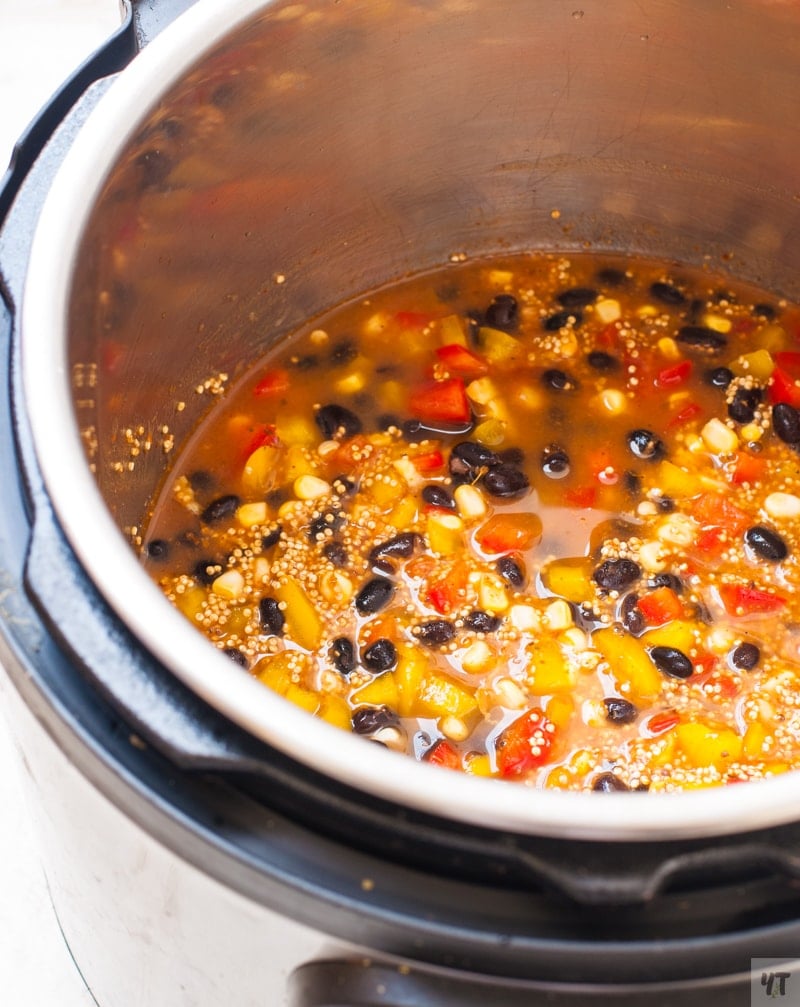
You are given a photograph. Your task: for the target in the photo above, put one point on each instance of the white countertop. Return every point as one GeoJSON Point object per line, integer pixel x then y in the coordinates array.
{"type": "Point", "coordinates": [41, 42]}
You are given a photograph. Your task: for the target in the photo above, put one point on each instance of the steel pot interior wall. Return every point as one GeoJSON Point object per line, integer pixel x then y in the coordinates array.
{"type": "Point", "coordinates": [319, 152]}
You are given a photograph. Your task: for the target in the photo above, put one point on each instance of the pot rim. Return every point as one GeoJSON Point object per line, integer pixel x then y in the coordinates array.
{"type": "Point", "coordinates": [110, 562]}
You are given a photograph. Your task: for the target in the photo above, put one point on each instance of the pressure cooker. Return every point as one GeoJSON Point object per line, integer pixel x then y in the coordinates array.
{"type": "Point", "coordinates": [197, 853]}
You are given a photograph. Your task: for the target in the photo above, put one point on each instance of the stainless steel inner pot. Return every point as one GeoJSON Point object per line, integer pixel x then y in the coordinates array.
{"type": "Point", "coordinates": [385, 137]}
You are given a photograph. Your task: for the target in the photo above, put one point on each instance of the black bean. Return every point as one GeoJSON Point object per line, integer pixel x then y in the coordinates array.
{"type": "Point", "coordinates": [206, 571]}
{"type": "Point", "coordinates": [220, 509]}
{"type": "Point", "coordinates": [718, 377]}
{"type": "Point", "coordinates": [562, 318]}
{"type": "Point", "coordinates": [608, 783]}
{"type": "Point", "coordinates": [555, 462]}
{"type": "Point", "coordinates": [479, 621]}
{"type": "Point", "coordinates": [201, 481]}
{"type": "Point", "coordinates": [558, 380]}
{"type": "Point", "coordinates": [380, 655]}
{"type": "Point", "coordinates": [620, 711]}
{"type": "Point", "coordinates": [402, 546]}
{"type": "Point", "coordinates": [343, 486]}
{"type": "Point", "coordinates": [271, 538]}
{"type": "Point", "coordinates": [666, 293]}
{"type": "Point", "coordinates": [157, 549]}
{"type": "Point", "coordinates": [701, 338]}
{"type": "Point", "coordinates": [743, 405]}
{"type": "Point", "coordinates": [271, 617]}
{"type": "Point", "coordinates": [665, 504]}
{"type": "Point", "coordinates": [696, 308]}
{"type": "Point", "coordinates": [237, 656]}
{"type": "Point", "coordinates": [374, 596]}
{"type": "Point", "coordinates": [786, 422]}
{"type": "Point", "coordinates": [343, 655]}
{"type": "Point", "coordinates": [616, 574]}
{"type": "Point", "coordinates": [665, 579]}
{"type": "Point", "coordinates": [336, 553]}
{"type": "Point", "coordinates": [577, 297]}
{"type": "Point", "coordinates": [765, 311]}
{"type": "Point", "coordinates": [154, 168]}
{"type": "Point", "coordinates": [599, 360]}
{"type": "Point", "coordinates": [611, 276]}
{"type": "Point", "coordinates": [644, 444]}
{"type": "Point", "coordinates": [631, 615]}
{"type": "Point", "coordinates": [337, 421]}
{"type": "Point", "coordinates": [369, 719]}
{"type": "Point", "coordinates": [671, 661]}
{"type": "Point", "coordinates": [469, 457]}
{"type": "Point", "coordinates": [766, 543]}
{"type": "Point", "coordinates": [632, 482]}
{"type": "Point", "coordinates": [744, 657]}
{"type": "Point", "coordinates": [305, 363]}
{"type": "Point", "coordinates": [503, 313]}
{"type": "Point", "coordinates": [437, 496]}
{"type": "Point", "coordinates": [511, 456]}
{"type": "Point", "coordinates": [435, 632]}
{"type": "Point", "coordinates": [511, 571]}
{"type": "Point", "coordinates": [329, 521]}
{"type": "Point", "coordinates": [505, 481]}
{"type": "Point", "coordinates": [344, 352]}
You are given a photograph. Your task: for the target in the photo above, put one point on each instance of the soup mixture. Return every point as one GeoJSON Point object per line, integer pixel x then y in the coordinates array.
{"type": "Point", "coordinates": [532, 518]}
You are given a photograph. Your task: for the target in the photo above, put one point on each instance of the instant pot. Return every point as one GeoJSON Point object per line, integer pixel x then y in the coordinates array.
{"type": "Point", "coordinates": [206, 843]}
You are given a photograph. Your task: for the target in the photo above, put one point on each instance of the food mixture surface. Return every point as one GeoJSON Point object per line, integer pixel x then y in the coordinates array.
{"type": "Point", "coordinates": [532, 518]}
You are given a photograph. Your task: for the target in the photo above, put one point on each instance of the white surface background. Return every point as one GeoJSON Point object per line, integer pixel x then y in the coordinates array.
{"type": "Point", "coordinates": [41, 42]}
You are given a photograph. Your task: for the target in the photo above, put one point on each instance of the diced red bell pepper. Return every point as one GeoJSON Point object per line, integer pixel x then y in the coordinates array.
{"type": "Point", "coordinates": [659, 723]}
{"type": "Point", "coordinates": [442, 753]}
{"type": "Point", "coordinates": [509, 532]}
{"type": "Point", "coordinates": [748, 469]}
{"type": "Point", "coordinates": [446, 593]}
{"type": "Point", "coordinates": [428, 461]}
{"type": "Point", "coordinates": [580, 497]}
{"type": "Point", "coordinates": [441, 400]}
{"type": "Point", "coordinates": [710, 542]}
{"type": "Point", "coordinates": [414, 319]}
{"type": "Point", "coordinates": [784, 384]}
{"type": "Point", "coordinates": [712, 510]}
{"type": "Point", "coordinates": [525, 743]}
{"type": "Point", "coordinates": [274, 382]}
{"type": "Point", "coordinates": [689, 412]}
{"type": "Point", "coordinates": [747, 599]}
{"type": "Point", "coordinates": [675, 376]}
{"type": "Point", "coordinates": [608, 336]}
{"type": "Point", "coordinates": [264, 433]}
{"type": "Point", "coordinates": [459, 359]}
{"type": "Point", "coordinates": [660, 606]}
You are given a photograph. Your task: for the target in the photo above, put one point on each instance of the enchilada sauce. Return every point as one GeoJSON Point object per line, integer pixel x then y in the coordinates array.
{"type": "Point", "coordinates": [532, 518]}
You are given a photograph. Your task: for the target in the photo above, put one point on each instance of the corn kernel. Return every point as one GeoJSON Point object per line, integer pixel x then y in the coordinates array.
{"type": "Point", "coordinates": [500, 277]}
{"type": "Point", "coordinates": [454, 728]}
{"type": "Point", "coordinates": [328, 448]}
{"type": "Point", "coordinates": [668, 348]}
{"type": "Point", "coordinates": [308, 487]}
{"type": "Point", "coordinates": [470, 501]}
{"type": "Point", "coordinates": [477, 658]}
{"type": "Point", "coordinates": [718, 437]}
{"type": "Point", "coordinates": [575, 638]}
{"type": "Point", "coordinates": [228, 585]}
{"type": "Point", "coordinates": [482, 391]}
{"type": "Point", "coordinates": [376, 323]}
{"type": "Point", "coordinates": [752, 432]}
{"type": "Point", "coordinates": [288, 508]}
{"type": "Point", "coordinates": [677, 529]}
{"type": "Point", "coordinates": [720, 640]}
{"type": "Point", "coordinates": [611, 400]}
{"type": "Point", "coordinates": [260, 569]}
{"type": "Point", "coordinates": [524, 617]}
{"type": "Point", "coordinates": [251, 514]}
{"type": "Point", "coordinates": [651, 557]}
{"type": "Point", "coordinates": [647, 311]}
{"type": "Point", "coordinates": [718, 323]}
{"type": "Point", "coordinates": [492, 594]}
{"type": "Point", "coordinates": [509, 694]}
{"type": "Point", "coordinates": [408, 471]}
{"type": "Point", "coordinates": [335, 587]}
{"type": "Point", "coordinates": [350, 384]}
{"type": "Point", "coordinates": [392, 737]}
{"type": "Point", "coordinates": [593, 713]}
{"type": "Point", "coordinates": [782, 505]}
{"type": "Point", "coordinates": [607, 310]}
{"type": "Point", "coordinates": [319, 337]}
{"type": "Point", "coordinates": [558, 615]}
{"type": "Point", "coordinates": [445, 533]}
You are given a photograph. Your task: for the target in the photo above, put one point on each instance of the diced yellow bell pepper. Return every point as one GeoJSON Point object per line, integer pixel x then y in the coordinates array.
{"type": "Point", "coordinates": [190, 602]}
{"type": "Point", "coordinates": [303, 623]}
{"type": "Point", "coordinates": [303, 698]}
{"type": "Point", "coordinates": [754, 738]}
{"type": "Point", "coordinates": [411, 668]}
{"type": "Point", "coordinates": [570, 579]}
{"type": "Point", "coordinates": [759, 363]}
{"type": "Point", "coordinates": [275, 671]}
{"type": "Point", "coordinates": [298, 463]}
{"type": "Point", "coordinates": [440, 696]}
{"type": "Point", "coordinates": [478, 765]}
{"type": "Point", "coordinates": [497, 346]}
{"type": "Point", "coordinates": [381, 691]}
{"type": "Point", "coordinates": [678, 633]}
{"type": "Point", "coordinates": [293, 428]}
{"type": "Point", "coordinates": [258, 475]}
{"type": "Point", "coordinates": [404, 513]}
{"type": "Point", "coordinates": [548, 669]}
{"type": "Point", "coordinates": [451, 330]}
{"type": "Point", "coordinates": [709, 745]}
{"type": "Point", "coordinates": [387, 490]}
{"type": "Point", "coordinates": [772, 337]}
{"type": "Point", "coordinates": [445, 533]}
{"type": "Point", "coordinates": [629, 664]}
{"type": "Point", "coordinates": [675, 481]}
{"type": "Point", "coordinates": [335, 711]}
{"type": "Point", "coordinates": [560, 710]}
{"type": "Point", "coordinates": [491, 432]}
